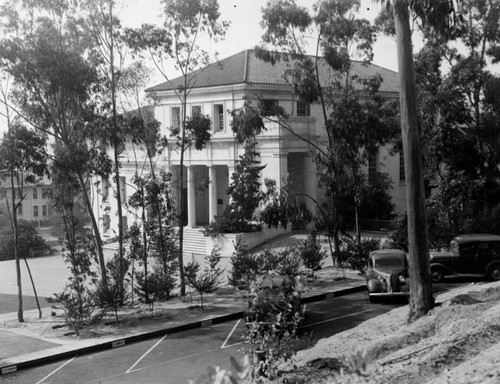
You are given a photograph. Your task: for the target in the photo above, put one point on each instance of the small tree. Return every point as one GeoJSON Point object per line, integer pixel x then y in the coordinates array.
{"type": "Point", "coordinates": [244, 193]}
{"type": "Point", "coordinates": [311, 253]}
{"type": "Point", "coordinates": [208, 280]}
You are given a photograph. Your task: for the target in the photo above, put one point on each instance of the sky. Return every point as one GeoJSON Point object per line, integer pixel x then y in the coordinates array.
{"type": "Point", "coordinates": [244, 31]}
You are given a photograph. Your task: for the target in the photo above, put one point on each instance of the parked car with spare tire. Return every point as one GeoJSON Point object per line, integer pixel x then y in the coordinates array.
{"type": "Point", "coordinates": [471, 255]}
{"type": "Point", "coordinates": [387, 274]}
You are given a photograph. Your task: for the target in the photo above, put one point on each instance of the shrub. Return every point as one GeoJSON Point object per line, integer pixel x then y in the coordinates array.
{"type": "Point", "coordinates": [311, 253]}
{"type": "Point", "coordinates": [158, 286]}
{"type": "Point", "coordinates": [272, 336]}
{"type": "Point", "coordinates": [78, 304]}
{"type": "Point", "coordinates": [112, 296]}
{"type": "Point", "coordinates": [356, 255]}
{"type": "Point", "coordinates": [208, 280]}
{"type": "Point", "coordinates": [244, 266]}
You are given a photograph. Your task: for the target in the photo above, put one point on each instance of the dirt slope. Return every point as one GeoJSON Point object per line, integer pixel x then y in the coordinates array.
{"type": "Point", "coordinates": [458, 342]}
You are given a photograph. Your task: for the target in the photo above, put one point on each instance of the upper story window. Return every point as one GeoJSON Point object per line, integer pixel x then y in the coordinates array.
{"type": "Point", "coordinates": [45, 192]}
{"type": "Point", "coordinates": [35, 193]}
{"type": "Point", "coordinates": [3, 193]}
{"type": "Point", "coordinates": [402, 175]}
{"type": "Point", "coordinates": [175, 117]}
{"type": "Point", "coordinates": [218, 117]}
{"type": "Point", "coordinates": [269, 107]}
{"type": "Point", "coordinates": [303, 109]}
{"type": "Point", "coordinates": [195, 108]}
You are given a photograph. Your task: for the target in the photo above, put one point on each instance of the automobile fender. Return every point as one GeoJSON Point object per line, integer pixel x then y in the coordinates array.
{"type": "Point", "coordinates": [442, 266]}
{"type": "Point", "coordinates": [374, 286]}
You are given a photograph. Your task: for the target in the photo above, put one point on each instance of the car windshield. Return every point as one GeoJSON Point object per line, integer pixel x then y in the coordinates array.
{"type": "Point", "coordinates": [389, 262]}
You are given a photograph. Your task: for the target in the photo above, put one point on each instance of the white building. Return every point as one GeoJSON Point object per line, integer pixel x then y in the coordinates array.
{"type": "Point", "coordinates": [36, 204]}
{"type": "Point", "coordinates": [218, 89]}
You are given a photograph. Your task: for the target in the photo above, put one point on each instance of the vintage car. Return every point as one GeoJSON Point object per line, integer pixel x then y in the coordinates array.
{"type": "Point", "coordinates": [471, 255]}
{"type": "Point", "coordinates": [274, 295]}
{"type": "Point", "coordinates": [387, 274]}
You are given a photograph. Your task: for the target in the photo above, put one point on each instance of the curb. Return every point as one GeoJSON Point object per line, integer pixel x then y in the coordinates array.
{"type": "Point", "coordinates": [161, 332]}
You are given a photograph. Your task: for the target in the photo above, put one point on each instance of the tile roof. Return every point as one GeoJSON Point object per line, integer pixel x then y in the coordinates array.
{"type": "Point", "coordinates": [246, 67]}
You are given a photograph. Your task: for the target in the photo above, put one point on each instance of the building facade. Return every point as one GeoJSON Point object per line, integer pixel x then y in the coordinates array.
{"type": "Point", "coordinates": [36, 205]}
{"type": "Point", "coordinates": [217, 90]}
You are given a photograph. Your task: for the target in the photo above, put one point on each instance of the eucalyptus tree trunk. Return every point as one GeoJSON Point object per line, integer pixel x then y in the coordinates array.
{"type": "Point", "coordinates": [421, 298]}
{"type": "Point", "coordinates": [15, 235]}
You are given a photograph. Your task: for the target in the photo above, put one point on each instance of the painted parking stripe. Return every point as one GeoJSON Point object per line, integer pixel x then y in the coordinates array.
{"type": "Point", "coordinates": [55, 370]}
{"type": "Point", "coordinates": [224, 344]}
{"type": "Point", "coordinates": [337, 318]}
{"type": "Point", "coordinates": [145, 354]}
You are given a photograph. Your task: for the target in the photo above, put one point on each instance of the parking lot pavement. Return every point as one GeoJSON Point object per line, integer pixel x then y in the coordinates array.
{"type": "Point", "coordinates": [21, 344]}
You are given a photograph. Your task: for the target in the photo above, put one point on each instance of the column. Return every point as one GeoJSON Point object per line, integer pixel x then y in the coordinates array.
{"type": "Point", "coordinates": [191, 197]}
{"type": "Point", "coordinates": [212, 192]}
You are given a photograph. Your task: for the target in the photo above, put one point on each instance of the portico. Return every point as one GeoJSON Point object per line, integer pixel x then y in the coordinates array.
{"type": "Point", "coordinates": [205, 187]}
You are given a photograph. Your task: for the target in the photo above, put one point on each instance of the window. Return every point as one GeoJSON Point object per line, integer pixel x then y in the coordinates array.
{"type": "Point", "coordinates": [195, 108]}
{"type": "Point", "coordinates": [35, 193]}
{"type": "Point", "coordinates": [105, 223]}
{"type": "Point", "coordinates": [105, 189]}
{"type": "Point", "coordinates": [35, 211]}
{"type": "Point", "coordinates": [45, 192]}
{"type": "Point", "coordinates": [123, 189]}
{"type": "Point", "coordinates": [303, 109]}
{"type": "Point", "coordinates": [402, 175]}
{"type": "Point", "coordinates": [218, 117]}
{"type": "Point", "coordinates": [175, 117]}
{"type": "Point", "coordinates": [125, 223]}
{"type": "Point", "coordinates": [372, 166]}
{"type": "Point", "coordinates": [20, 209]}
{"type": "Point", "coordinates": [3, 193]}
{"type": "Point", "coordinates": [269, 107]}
{"type": "Point", "coordinates": [44, 210]}
{"type": "Point", "coordinates": [49, 210]}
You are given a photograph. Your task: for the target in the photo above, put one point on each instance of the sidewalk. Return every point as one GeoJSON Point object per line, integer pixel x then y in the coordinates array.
{"type": "Point", "coordinates": [39, 341]}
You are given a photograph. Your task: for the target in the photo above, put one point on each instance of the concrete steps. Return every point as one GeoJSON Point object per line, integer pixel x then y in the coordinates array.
{"type": "Point", "coordinates": [194, 241]}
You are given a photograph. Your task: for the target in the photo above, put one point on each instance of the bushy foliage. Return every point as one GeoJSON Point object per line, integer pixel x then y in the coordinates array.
{"type": "Point", "coordinates": [247, 266]}
{"type": "Point", "coordinates": [114, 295]}
{"type": "Point", "coordinates": [209, 279]}
{"type": "Point", "coordinates": [245, 194]}
{"type": "Point", "coordinates": [272, 332]}
{"type": "Point", "coordinates": [398, 238]}
{"type": "Point", "coordinates": [355, 255]}
{"type": "Point", "coordinates": [29, 240]}
{"type": "Point", "coordinates": [79, 306]}
{"type": "Point", "coordinates": [311, 253]}
{"type": "Point", "coordinates": [281, 206]}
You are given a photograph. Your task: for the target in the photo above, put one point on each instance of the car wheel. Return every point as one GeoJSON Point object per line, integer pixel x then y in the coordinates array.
{"type": "Point", "coordinates": [437, 275]}
{"type": "Point", "coordinates": [373, 299]}
{"type": "Point", "coordinates": [494, 272]}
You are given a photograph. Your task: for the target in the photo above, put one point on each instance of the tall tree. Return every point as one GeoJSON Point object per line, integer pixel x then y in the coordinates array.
{"type": "Point", "coordinates": [23, 159]}
{"type": "Point", "coordinates": [421, 298]}
{"type": "Point", "coordinates": [106, 30]}
{"type": "Point", "coordinates": [178, 43]}
{"type": "Point", "coordinates": [45, 50]}
{"type": "Point", "coordinates": [354, 116]}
